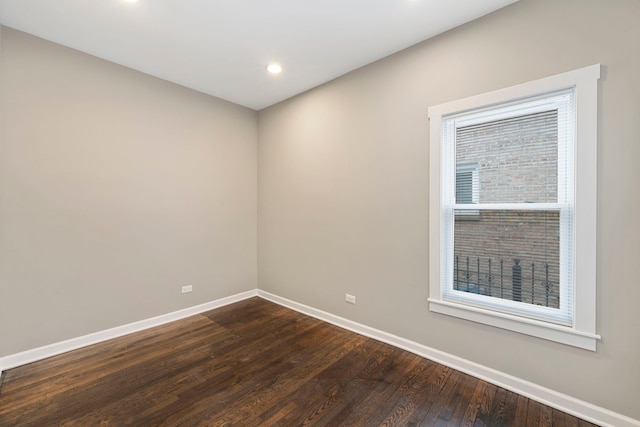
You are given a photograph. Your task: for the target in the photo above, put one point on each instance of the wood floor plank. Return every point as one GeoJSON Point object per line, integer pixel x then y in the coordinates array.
{"type": "Point", "coordinates": [534, 410]}
{"type": "Point", "coordinates": [522, 408]}
{"type": "Point", "coordinates": [562, 419]}
{"type": "Point", "coordinates": [435, 383]}
{"type": "Point", "coordinates": [454, 413]}
{"type": "Point", "coordinates": [546, 416]}
{"type": "Point", "coordinates": [504, 408]}
{"type": "Point", "coordinates": [443, 402]}
{"type": "Point", "coordinates": [255, 363]}
{"type": "Point", "coordinates": [479, 407]}
{"type": "Point", "coordinates": [410, 392]}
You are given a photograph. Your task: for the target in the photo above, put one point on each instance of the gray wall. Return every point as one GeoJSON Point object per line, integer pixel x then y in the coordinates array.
{"type": "Point", "coordinates": [343, 189]}
{"type": "Point", "coordinates": [116, 189]}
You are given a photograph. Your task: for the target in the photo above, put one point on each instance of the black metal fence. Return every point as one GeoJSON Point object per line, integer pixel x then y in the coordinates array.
{"type": "Point", "coordinates": [526, 282]}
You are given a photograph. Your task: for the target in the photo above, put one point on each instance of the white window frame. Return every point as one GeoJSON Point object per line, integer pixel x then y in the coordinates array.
{"type": "Point", "coordinates": [580, 329]}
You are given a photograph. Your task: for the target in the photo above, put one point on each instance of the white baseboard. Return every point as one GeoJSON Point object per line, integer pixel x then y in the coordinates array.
{"type": "Point", "coordinates": [560, 401]}
{"type": "Point", "coordinates": [33, 355]}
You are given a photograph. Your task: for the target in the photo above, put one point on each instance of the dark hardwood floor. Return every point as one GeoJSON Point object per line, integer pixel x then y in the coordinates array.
{"type": "Point", "coordinates": [255, 363]}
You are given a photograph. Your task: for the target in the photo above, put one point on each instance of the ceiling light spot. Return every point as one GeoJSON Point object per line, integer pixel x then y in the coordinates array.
{"type": "Point", "coordinates": [274, 68]}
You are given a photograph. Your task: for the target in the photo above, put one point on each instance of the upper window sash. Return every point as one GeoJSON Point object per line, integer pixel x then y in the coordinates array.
{"type": "Point", "coordinates": [561, 100]}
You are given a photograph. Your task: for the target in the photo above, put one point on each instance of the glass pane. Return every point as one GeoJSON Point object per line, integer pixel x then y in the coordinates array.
{"type": "Point", "coordinates": [516, 159]}
{"type": "Point", "coordinates": [509, 254]}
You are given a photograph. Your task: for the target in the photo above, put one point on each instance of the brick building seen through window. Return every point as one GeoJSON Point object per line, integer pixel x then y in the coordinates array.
{"type": "Point", "coordinates": [508, 254]}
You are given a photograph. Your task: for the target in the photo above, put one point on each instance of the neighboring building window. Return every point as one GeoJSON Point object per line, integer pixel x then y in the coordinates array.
{"type": "Point", "coordinates": [520, 162]}
{"type": "Point", "coordinates": [467, 188]}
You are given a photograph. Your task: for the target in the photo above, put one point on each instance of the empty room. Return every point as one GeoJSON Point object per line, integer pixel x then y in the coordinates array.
{"type": "Point", "coordinates": [332, 213]}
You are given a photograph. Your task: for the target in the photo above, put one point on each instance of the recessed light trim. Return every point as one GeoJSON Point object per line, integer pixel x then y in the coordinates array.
{"type": "Point", "coordinates": [274, 68]}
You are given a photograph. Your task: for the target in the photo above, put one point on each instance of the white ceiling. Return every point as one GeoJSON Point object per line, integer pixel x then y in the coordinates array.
{"type": "Point", "coordinates": [221, 47]}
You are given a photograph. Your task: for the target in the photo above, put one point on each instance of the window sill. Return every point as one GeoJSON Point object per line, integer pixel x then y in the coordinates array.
{"type": "Point", "coordinates": [536, 328]}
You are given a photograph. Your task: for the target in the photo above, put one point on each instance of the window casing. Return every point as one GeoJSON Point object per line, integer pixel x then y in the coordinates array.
{"type": "Point", "coordinates": [519, 161]}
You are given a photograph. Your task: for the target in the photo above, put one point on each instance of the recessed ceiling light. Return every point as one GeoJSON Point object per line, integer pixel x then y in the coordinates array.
{"type": "Point", "coordinates": [274, 68]}
{"type": "Point", "coordinates": [131, 1]}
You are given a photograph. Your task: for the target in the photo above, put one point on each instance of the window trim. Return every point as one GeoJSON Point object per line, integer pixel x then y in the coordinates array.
{"type": "Point", "coordinates": [582, 332]}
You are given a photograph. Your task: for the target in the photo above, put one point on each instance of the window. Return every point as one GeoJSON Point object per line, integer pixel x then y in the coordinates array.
{"type": "Point", "coordinates": [467, 188]}
{"type": "Point", "coordinates": [520, 162]}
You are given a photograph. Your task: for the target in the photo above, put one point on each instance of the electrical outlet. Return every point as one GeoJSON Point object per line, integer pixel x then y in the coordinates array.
{"type": "Point", "coordinates": [351, 299]}
{"type": "Point", "coordinates": [187, 289]}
